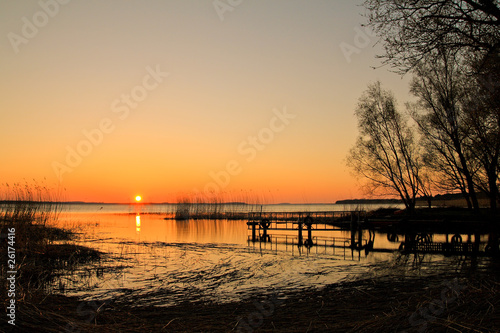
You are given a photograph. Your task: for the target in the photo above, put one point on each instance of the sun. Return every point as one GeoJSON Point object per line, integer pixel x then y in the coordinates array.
{"type": "Point", "coordinates": [138, 198]}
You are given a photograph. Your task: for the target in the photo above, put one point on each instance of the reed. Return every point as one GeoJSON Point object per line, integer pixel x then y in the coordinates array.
{"type": "Point", "coordinates": [42, 249]}
{"type": "Point", "coordinates": [183, 209]}
{"type": "Point", "coordinates": [30, 209]}
{"type": "Point", "coordinates": [215, 206]}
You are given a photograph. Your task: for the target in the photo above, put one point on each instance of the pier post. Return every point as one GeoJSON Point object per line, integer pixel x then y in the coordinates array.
{"type": "Point", "coordinates": [265, 224]}
{"type": "Point", "coordinates": [360, 234]}
{"type": "Point", "coordinates": [300, 242]}
{"type": "Point", "coordinates": [353, 231]}
{"type": "Point", "coordinates": [309, 234]}
{"type": "Point", "coordinates": [477, 242]}
{"type": "Point", "coordinates": [308, 221]}
{"type": "Point", "coordinates": [254, 232]}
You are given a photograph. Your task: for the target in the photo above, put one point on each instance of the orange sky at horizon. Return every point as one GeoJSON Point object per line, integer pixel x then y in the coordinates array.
{"type": "Point", "coordinates": [168, 99]}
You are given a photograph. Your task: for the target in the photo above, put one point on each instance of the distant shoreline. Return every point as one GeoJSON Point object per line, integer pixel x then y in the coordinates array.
{"type": "Point", "coordinates": [175, 203]}
{"type": "Point", "coordinates": [361, 201]}
{"type": "Point", "coordinates": [367, 201]}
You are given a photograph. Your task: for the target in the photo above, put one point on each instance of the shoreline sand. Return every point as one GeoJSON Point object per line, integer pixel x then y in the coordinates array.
{"type": "Point", "coordinates": [389, 302]}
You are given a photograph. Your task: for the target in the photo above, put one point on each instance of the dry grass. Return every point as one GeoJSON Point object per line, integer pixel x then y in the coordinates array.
{"type": "Point", "coordinates": [41, 250]}
{"type": "Point", "coordinates": [383, 303]}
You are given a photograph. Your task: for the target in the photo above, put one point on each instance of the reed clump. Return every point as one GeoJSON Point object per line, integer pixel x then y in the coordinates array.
{"type": "Point", "coordinates": [30, 209]}
{"type": "Point", "coordinates": [28, 216]}
{"type": "Point", "coordinates": [216, 206]}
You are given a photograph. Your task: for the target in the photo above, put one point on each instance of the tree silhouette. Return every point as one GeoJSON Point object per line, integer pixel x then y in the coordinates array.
{"type": "Point", "coordinates": [411, 30]}
{"type": "Point", "coordinates": [385, 153]}
{"type": "Point", "coordinates": [441, 89]}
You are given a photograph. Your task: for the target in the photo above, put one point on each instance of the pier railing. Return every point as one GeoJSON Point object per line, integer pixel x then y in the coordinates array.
{"type": "Point", "coordinates": [303, 223]}
{"type": "Point", "coordinates": [325, 217]}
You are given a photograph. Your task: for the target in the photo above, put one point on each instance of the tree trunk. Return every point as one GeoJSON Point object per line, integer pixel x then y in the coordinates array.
{"type": "Point", "coordinates": [467, 200]}
{"type": "Point", "coordinates": [470, 183]}
{"type": "Point", "coordinates": [493, 189]}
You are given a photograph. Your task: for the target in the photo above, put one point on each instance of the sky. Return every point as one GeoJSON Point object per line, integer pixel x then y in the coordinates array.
{"type": "Point", "coordinates": [244, 100]}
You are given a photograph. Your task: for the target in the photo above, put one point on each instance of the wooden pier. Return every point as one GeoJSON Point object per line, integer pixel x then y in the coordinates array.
{"type": "Point", "coordinates": [417, 234]}
{"type": "Point", "coordinates": [303, 224]}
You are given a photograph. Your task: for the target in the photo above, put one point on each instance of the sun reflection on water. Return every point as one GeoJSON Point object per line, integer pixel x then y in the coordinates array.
{"type": "Point", "coordinates": [138, 223]}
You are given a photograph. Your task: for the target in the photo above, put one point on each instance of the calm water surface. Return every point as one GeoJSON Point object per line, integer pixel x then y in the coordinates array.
{"type": "Point", "coordinates": [166, 261]}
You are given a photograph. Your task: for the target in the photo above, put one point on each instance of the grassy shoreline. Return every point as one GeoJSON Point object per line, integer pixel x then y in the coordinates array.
{"type": "Point", "coordinates": [33, 252]}
{"type": "Point", "coordinates": [387, 303]}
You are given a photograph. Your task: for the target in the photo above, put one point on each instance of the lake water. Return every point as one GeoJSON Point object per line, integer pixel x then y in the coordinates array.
{"type": "Point", "coordinates": [164, 262]}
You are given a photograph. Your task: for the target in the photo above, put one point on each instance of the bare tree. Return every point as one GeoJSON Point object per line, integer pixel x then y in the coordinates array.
{"type": "Point", "coordinates": [459, 117]}
{"type": "Point", "coordinates": [442, 161]}
{"type": "Point", "coordinates": [385, 152]}
{"type": "Point", "coordinates": [413, 29]}
{"type": "Point", "coordinates": [441, 89]}
{"type": "Point", "coordinates": [482, 106]}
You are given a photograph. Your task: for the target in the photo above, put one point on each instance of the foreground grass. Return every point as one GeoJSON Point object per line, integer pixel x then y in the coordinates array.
{"type": "Point", "coordinates": [38, 265]}
{"type": "Point", "coordinates": [389, 303]}
{"type": "Point", "coordinates": [36, 250]}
